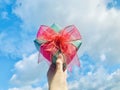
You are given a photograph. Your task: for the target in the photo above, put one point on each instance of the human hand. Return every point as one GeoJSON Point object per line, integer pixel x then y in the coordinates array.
{"type": "Point", "coordinates": [57, 76]}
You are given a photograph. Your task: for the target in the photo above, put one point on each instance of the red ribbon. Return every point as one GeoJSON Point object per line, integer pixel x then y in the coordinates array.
{"type": "Point", "coordinates": [53, 42]}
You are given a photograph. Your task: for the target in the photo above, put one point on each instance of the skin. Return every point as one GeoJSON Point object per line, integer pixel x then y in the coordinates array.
{"type": "Point", "coordinates": [57, 76]}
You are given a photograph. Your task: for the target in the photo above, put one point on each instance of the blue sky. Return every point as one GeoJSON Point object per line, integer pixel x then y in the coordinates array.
{"type": "Point", "coordinates": [97, 20]}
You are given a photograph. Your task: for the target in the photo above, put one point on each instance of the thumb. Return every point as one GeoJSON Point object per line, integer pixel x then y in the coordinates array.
{"type": "Point", "coordinates": [59, 63]}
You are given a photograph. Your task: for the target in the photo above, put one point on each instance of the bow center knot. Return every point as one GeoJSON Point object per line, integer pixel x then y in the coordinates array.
{"type": "Point", "coordinates": [57, 41]}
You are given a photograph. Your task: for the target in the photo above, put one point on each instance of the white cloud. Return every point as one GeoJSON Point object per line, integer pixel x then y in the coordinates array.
{"type": "Point", "coordinates": [27, 88]}
{"type": "Point", "coordinates": [15, 45]}
{"type": "Point", "coordinates": [28, 71]}
{"type": "Point", "coordinates": [100, 31]}
{"type": "Point", "coordinates": [98, 25]}
{"type": "Point", "coordinates": [99, 80]}
{"type": "Point", "coordinates": [103, 57]}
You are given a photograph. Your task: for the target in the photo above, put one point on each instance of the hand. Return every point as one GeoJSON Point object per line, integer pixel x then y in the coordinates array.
{"type": "Point", "coordinates": [56, 75]}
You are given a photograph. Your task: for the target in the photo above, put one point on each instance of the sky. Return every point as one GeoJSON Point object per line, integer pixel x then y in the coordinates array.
{"type": "Point", "coordinates": [98, 22]}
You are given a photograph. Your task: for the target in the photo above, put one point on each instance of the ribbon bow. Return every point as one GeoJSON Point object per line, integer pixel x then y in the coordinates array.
{"type": "Point", "coordinates": [52, 40]}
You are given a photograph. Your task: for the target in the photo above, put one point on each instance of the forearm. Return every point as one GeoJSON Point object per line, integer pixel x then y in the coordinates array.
{"type": "Point", "coordinates": [58, 82]}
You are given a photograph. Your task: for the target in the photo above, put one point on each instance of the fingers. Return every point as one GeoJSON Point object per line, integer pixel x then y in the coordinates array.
{"type": "Point", "coordinates": [51, 72]}
{"type": "Point", "coordinates": [59, 62]}
{"type": "Point", "coordinates": [52, 67]}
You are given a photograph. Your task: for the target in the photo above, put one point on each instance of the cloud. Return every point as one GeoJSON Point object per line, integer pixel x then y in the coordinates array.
{"type": "Point", "coordinates": [90, 76]}
{"type": "Point", "coordinates": [99, 80]}
{"type": "Point", "coordinates": [103, 57]}
{"type": "Point", "coordinates": [13, 44]}
{"type": "Point", "coordinates": [16, 42]}
{"type": "Point", "coordinates": [26, 88]}
{"type": "Point", "coordinates": [29, 72]}
{"type": "Point", "coordinates": [93, 76]}
{"type": "Point", "coordinates": [12, 37]}
{"type": "Point", "coordinates": [98, 25]}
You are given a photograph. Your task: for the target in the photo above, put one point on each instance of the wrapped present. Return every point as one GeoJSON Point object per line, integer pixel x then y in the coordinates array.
{"type": "Point", "coordinates": [51, 41]}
